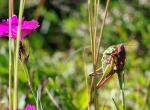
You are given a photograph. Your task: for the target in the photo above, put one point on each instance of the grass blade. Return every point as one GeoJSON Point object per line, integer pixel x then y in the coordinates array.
{"type": "Point", "coordinates": [117, 108]}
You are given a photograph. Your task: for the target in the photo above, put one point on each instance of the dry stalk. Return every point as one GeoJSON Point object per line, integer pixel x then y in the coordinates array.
{"type": "Point", "coordinates": [93, 15]}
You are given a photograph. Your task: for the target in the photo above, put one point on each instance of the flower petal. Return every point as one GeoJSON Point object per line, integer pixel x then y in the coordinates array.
{"type": "Point", "coordinates": [3, 30]}
{"type": "Point", "coordinates": [32, 25]}
{"type": "Point", "coordinates": [27, 27]}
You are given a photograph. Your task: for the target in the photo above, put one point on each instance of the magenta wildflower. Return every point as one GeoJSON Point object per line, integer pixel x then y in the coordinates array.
{"type": "Point", "coordinates": [27, 27]}
{"type": "Point", "coordinates": [30, 107]}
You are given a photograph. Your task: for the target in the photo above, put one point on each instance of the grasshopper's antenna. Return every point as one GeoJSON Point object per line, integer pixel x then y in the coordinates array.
{"type": "Point", "coordinates": [131, 43]}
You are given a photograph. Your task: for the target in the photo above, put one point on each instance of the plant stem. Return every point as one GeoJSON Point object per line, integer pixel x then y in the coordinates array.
{"type": "Point", "coordinates": [117, 108]}
{"type": "Point", "coordinates": [10, 76]}
{"type": "Point", "coordinates": [10, 54]}
{"type": "Point", "coordinates": [101, 31]}
{"type": "Point", "coordinates": [15, 103]}
{"type": "Point", "coordinates": [51, 97]}
{"type": "Point", "coordinates": [93, 29]}
{"type": "Point", "coordinates": [92, 10]}
{"type": "Point", "coordinates": [121, 84]}
{"type": "Point", "coordinates": [28, 77]}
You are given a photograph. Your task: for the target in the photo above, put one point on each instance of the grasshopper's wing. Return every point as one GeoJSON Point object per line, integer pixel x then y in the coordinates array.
{"type": "Point", "coordinates": [108, 69]}
{"type": "Point", "coordinates": [107, 74]}
{"type": "Point", "coordinates": [98, 72]}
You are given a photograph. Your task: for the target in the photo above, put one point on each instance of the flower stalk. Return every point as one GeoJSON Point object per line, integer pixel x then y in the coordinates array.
{"type": "Point", "coordinates": [15, 103]}
{"type": "Point", "coordinates": [93, 29]}
{"type": "Point", "coordinates": [92, 41]}
{"type": "Point", "coordinates": [121, 84]}
{"type": "Point", "coordinates": [10, 54]}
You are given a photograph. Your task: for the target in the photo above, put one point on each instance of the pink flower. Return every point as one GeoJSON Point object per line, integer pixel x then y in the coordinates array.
{"type": "Point", "coordinates": [27, 27]}
{"type": "Point", "coordinates": [30, 107]}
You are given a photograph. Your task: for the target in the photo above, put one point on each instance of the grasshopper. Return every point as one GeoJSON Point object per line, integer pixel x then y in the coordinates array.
{"type": "Point", "coordinates": [23, 54]}
{"type": "Point", "coordinates": [113, 60]}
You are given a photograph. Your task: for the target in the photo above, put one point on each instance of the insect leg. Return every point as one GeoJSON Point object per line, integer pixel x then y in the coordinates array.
{"type": "Point", "coordinates": [104, 80]}
{"type": "Point", "coordinates": [98, 72]}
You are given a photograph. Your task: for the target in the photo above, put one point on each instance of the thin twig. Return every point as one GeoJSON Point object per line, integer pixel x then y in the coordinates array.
{"type": "Point", "coordinates": [95, 51]}
{"type": "Point", "coordinates": [31, 88]}
{"type": "Point", "coordinates": [94, 63]}
{"type": "Point", "coordinates": [92, 41]}
{"type": "Point", "coordinates": [10, 54]}
{"type": "Point", "coordinates": [91, 31]}
{"type": "Point", "coordinates": [91, 26]}
{"type": "Point", "coordinates": [15, 103]}
{"type": "Point", "coordinates": [53, 99]}
{"type": "Point", "coordinates": [92, 23]}
{"type": "Point", "coordinates": [39, 103]}
{"type": "Point", "coordinates": [28, 77]}
{"type": "Point", "coordinates": [115, 104]}
{"type": "Point", "coordinates": [101, 31]}
{"type": "Point", "coordinates": [95, 28]}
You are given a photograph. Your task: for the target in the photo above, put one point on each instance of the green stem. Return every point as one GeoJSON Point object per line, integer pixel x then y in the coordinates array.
{"type": "Point", "coordinates": [10, 74]}
{"type": "Point", "coordinates": [121, 84]}
{"type": "Point", "coordinates": [92, 41]}
{"type": "Point", "coordinates": [51, 97]}
{"type": "Point", "coordinates": [117, 108]}
{"type": "Point", "coordinates": [28, 77]}
{"type": "Point", "coordinates": [29, 82]}
{"type": "Point", "coordinates": [10, 54]}
{"type": "Point", "coordinates": [15, 103]}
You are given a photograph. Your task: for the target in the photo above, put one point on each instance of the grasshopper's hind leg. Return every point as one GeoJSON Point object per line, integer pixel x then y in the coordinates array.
{"type": "Point", "coordinates": [98, 72]}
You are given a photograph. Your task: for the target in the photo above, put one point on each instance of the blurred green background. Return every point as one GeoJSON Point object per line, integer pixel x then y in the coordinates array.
{"type": "Point", "coordinates": [58, 60]}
